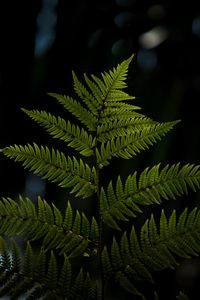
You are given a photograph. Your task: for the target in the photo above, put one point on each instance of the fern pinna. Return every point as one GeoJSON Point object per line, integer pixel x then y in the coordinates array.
{"type": "Point", "coordinates": [108, 125]}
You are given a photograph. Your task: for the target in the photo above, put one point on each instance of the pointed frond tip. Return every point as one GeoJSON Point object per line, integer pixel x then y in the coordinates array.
{"type": "Point", "coordinates": [108, 88]}
{"type": "Point", "coordinates": [152, 186]}
{"type": "Point", "coordinates": [115, 79]}
{"type": "Point", "coordinates": [54, 166]}
{"type": "Point", "coordinates": [98, 96]}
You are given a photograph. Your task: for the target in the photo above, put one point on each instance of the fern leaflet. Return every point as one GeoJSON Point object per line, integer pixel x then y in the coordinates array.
{"type": "Point", "coordinates": [87, 118]}
{"type": "Point", "coordinates": [75, 137]}
{"type": "Point", "coordinates": [135, 258]}
{"type": "Point", "coordinates": [65, 233]}
{"type": "Point", "coordinates": [132, 143]}
{"type": "Point", "coordinates": [24, 279]}
{"type": "Point", "coordinates": [55, 167]}
{"type": "Point", "coordinates": [149, 188]}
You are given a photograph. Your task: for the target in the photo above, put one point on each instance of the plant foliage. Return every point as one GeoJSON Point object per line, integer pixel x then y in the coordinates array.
{"type": "Point", "coordinates": [79, 255]}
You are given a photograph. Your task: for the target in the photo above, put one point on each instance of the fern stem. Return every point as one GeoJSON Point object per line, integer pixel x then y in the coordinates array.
{"type": "Point", "coordinates": [100, 229]}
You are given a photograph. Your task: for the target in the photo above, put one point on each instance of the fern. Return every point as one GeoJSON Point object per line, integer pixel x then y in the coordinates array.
{"type": "Point", "coordinates": [38, 276]}
{"type": "Point", "coordinates": [56, 167]}
{"type": "Point", "coordinates": [155, 249]}
{"type": "Point", "coordinates": [150, 187]}
{"type": "Point", "coordinates": [80, 255]}
{"type": "Point", "coordinates": [74, 136]}
{"type": "Point", "coordinates": [71, 234]}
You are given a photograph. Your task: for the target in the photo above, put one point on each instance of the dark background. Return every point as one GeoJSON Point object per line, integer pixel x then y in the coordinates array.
{"type": "Point", "coordinates": [42, 41]}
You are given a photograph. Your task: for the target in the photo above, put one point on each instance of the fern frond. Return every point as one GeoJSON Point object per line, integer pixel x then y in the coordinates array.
{"type": "Point", "coordinates": [90, 100]}
{"type": "Point", "coordinates": [114, 264]}
{"type": "Point", "coordinates": [175, 238]}
{"type": "Point", "coordinates": [122, 127]}
{"type": "Point", "coordinates": [135, 258]}
{"type": "Point", "coordinates": [75, 137]}
{"type": "Point", "coordinates": [133, 143]}
{"type": "Point", "coordinates": [115, 79]}
{"type": "Point", "coordinates": [172, 241]}
{"type": "Point", "coordinates": [124, 111]}
{"type": "Point", "coordinates": [52, 273]}
{"type": "Point", "coordinates": [63, 232]}
{"type": "Point", "coordinates": [27, 268]}
{"type": "Point", "coordinates": [107, 94]}
{"type": "Point", "coordinates": [85, 288]}
{"type": "Point", "coordinates": [98, 94]}
{"type": "Point", "coordinates": [55, 167]}
{"type": "Point", "coordinates": [150, 187]}
{"type": "Point", "coordinates": [70, 242]}
{"type": "Point", "coordinates": [51, 283]}
{"type": "Point", "coordinates": [87, 118]}
{"type": "Point", "coordinates": [65, 277]}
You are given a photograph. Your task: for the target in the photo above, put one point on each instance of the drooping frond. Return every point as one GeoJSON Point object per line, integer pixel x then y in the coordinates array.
{"type": "Point", "coordinates": [136, 258]}
{"type": "Point", "coordinates": [39, 277]}
{"type": "Point", "coordinates": [86, 117]}
{"type": "Point", "coordinates": [75, 137]}
{"type": "Point", "coordinates": [56, 167]}
{"type": "Point", "coordinates": [150, 187]}
{"type": "Point", "coordinates": [132, 143]}
{"type": "Point", "coordinates": [70, 233]}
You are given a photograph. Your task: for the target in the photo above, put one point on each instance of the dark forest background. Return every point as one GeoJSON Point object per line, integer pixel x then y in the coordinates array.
{"type": "Point", "coordinates": [42, 41]}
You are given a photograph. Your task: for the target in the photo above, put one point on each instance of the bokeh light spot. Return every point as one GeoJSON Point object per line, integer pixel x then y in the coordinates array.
{"type": "Point", "coordinates": [124, 19]}
{"type": "Point", "coordinates": [122, 47]}
{"type": "Point", "coordinates": [147, 59]}
{"type": "Point", "coordinates": [34, 186]}
{"type": "Point", "coordinates": [156, 12]}
{"type": "Point", "coordinates": [196, 26]}
{"type": "Point", "coordinates": [95, 38]}
{"type": "Point", "coordinates": [153, 37]}
{"type": "Point", "coordinates": [46, 23]}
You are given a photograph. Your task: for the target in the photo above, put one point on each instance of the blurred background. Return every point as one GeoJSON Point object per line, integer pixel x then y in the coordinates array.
{"type": "Point", "coordinates": [42, 41]}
